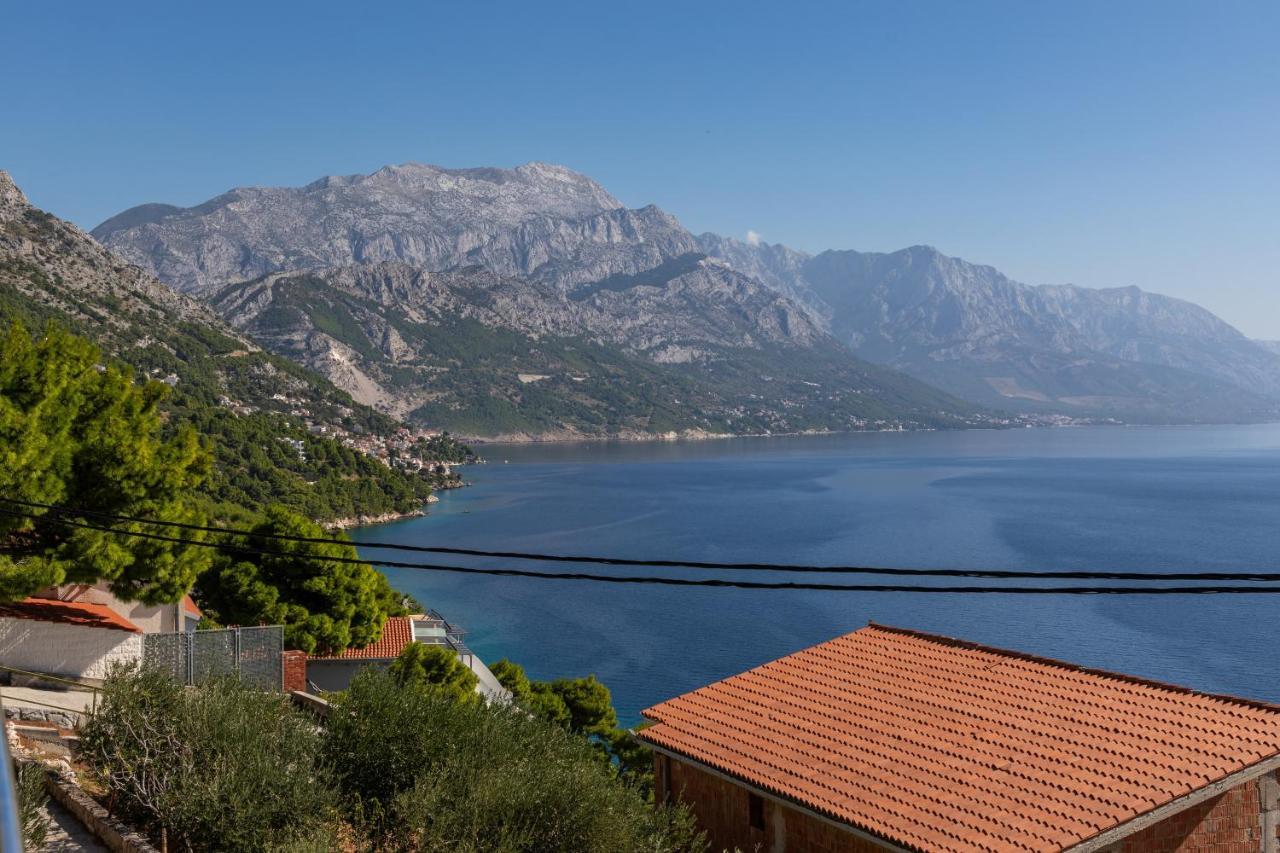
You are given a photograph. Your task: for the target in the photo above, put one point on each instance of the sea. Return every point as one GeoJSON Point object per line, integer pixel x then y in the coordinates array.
{"type": "Point", "coordinates": [1200, 498]}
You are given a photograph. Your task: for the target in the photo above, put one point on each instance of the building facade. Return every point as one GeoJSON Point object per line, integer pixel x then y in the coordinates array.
{"type": "Point", "coordinates": [887, 739]}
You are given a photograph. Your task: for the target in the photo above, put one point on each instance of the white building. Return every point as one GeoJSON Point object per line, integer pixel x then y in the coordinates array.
{"type": "Point", "coordinates": [78, 631]}
{"type": "Point", "coordinates": [334, 672]}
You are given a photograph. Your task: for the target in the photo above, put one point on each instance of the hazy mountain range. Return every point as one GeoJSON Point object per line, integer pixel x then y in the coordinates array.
{"type": "Point", "coordinates": [565, 298]}
{"type": "Point", "coordinates": [707, 351]}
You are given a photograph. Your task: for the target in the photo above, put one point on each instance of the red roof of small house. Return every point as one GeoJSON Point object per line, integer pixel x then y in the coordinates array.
{"type": "Point", "coordinates": [943, 745]}
{"type": "Point", "coordinates": [189, 606]}
{"type": "Point", "coordinates": [68, 613]}
{"type": "Point", "coordinates": [397, 633]}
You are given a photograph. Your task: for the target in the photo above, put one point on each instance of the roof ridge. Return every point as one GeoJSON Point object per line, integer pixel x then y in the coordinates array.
{"type": "Point", "coordinates": [956, 642]}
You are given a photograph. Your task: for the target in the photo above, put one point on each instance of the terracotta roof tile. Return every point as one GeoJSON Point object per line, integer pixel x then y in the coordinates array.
{"type": "Point", "coordinates": [397, 633]}
{"type": "Point", "coordinates": [944, 745]}
{"type": "Point", "coordinates": [189, 606]}
{"type": "Point", "coordinates": [68, 613]}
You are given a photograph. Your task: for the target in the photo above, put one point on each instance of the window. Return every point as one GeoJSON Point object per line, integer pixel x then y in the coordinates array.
{"type": "Point", "coordinates": [755, 811]}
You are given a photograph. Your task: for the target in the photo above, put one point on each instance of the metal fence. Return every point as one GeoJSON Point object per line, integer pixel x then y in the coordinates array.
{"type": "Point", "coordinates": [251, 654]}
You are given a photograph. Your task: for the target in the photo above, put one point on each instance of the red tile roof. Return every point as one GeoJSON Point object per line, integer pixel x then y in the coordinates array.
{"type": "Point", "coordinates": [943, 745]}
{"type": "Point", "coordinates": [68, 613]}
{"type": "Point", "coordinates": [189, 606]}
{"type": "Point", "coordinates": [396, 634]}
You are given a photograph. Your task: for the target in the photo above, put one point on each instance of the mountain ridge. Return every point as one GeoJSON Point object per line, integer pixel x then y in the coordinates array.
{"type": "Point", "coordinates": [1056, 349]}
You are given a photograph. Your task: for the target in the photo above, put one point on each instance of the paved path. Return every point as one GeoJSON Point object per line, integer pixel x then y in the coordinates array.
{"type": "Point", "coordinates": [66, 833]}
{"type": "Point", "coordinates": [46, 700]}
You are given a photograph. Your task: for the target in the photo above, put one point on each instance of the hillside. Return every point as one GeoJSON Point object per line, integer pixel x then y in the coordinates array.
{"type": "Point", "coordinates": [517, 303]}
{"type": "Point", "coordinates": [971, 330]}
{"type": "Point", "coordinates": [261, 411]}
{"type": "Point", "coordinates": [477, 353]}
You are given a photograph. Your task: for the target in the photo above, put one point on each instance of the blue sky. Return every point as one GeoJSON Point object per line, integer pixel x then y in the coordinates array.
{"type": "Point", "coordinates": [1088, 142]}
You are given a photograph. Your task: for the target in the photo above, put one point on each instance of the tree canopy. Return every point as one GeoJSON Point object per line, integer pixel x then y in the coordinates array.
{"type": "Point", "coordinates": [325, 605]}
{"type": "Point", "coordinates": [419, 665]}
{"type": "Point", "coordinates": [78, 433]}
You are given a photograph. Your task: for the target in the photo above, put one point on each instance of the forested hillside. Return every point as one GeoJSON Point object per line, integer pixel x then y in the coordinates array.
{"type": "Point", "coordinates": [270, 421]}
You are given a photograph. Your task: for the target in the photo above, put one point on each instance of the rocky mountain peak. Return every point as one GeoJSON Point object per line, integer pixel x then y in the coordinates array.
{"type": "Point", "coordinates": [12, 199]}
{"type": "Point", "coordinates": [426, 215]}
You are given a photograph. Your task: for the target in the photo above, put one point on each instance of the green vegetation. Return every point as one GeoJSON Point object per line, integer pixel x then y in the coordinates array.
{"type": "Point", "coordinates": [471, 372]}
{"type": "Point", "coordinates": [325, 606]}
{"type": "Point", "coordinates": [396, 767]}
{"type": "Point", "coordinates": [445, 448]}
{"type": "Point", "coordinates": [31, 798]}
{"type": "Point", "coordinates": [217, 767]}
{"type": "Point", "coordinates": [583, 706]}
{"type": "Point", "coordinates": [430, 773]}
{"type": "Point", "coordinates": [253, 464]}
{"type": "Point", "coordinates": [76, 433]}
{"type": "Point", "coordinates": [420, 665]}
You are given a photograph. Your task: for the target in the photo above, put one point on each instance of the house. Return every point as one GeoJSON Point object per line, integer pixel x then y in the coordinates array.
{"type": "Point", "coordinates": [334, 672]}
{"type": "Point", "coordinates": [149, 618]}
{"type": "Point", "coordinates": [79, 631]}
{"type": "Point", "coordinates": [891, 739]}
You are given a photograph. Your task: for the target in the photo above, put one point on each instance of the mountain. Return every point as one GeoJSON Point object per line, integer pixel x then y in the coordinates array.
{"type": "Point", "coordinates": [478, 353]}
{"type": "Point", "coordinates": [1269, 346]}
{"type": "Point", "coordinates": [521, 302]}
{"type": "Point", "coordinates": [971, 330]}
{"type": "Point", "coordinates": [260, 410]}
{"type": "Point", "coordinates": [536, 220]}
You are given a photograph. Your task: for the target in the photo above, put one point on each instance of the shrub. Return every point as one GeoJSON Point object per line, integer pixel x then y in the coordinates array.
{"type": "Point", "coordinates": [218, 767]}
{"type": "Point", "coordinates": [419, 665]}
{"type": "Point", "coordinates": [31, 798]}
{"type": "Point", "coordinates": [431, 773]}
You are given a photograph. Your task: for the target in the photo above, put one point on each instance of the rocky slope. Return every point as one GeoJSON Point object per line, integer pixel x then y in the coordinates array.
{"type": "Point", "coordinates": [483, 354]}
{"type": "Point", "coordinates": [535, 219]}
{"type": "Point", "coordinates": [970, 329]}
{"type": "Point", "coordinates": [516, 302]}
{"type": "Point", "coordinates": [574, 262]}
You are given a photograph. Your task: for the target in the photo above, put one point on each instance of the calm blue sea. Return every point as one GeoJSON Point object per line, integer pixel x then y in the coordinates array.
{"type": "Point", "coordinates": [1089, 498]}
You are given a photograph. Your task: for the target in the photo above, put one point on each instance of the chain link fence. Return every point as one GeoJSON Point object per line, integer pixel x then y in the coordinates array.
{"type": "Point", "coordinates": [251, 654]}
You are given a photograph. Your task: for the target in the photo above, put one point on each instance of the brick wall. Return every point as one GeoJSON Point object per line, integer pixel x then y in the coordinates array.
{"type": "Point", "coordinates": [295, 670]}
{"type": "Point", "coordinates": [1232, 822]}
{"type": "Point", "coordinates": [723, 812]}
{"type": "Point", "coordinates": [59, 649]}
{"type": "Point", "coordinates": [1229, 823]}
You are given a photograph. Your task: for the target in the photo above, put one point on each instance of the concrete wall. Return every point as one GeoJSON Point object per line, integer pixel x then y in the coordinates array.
{"type": "Point", "coordinates": [58, 649]}
{"type": "Point", "coordinates": [332, 675]}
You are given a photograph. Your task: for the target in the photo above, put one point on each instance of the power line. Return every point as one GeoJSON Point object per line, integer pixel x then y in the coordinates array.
{"type": "Point", "coordinates": [685, 582]}
{"type": "Point", "coordinates": [785, 568]}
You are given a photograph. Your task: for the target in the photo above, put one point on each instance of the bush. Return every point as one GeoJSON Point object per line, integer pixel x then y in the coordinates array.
{"type": "Point", "coordinates": [430, 773]}
{"type": "Point", "coordinates": [31, 798]}
{"type": "Point", "coordinates": [218, 767]}
{"type": "Point", "coordinates": [420, 665]}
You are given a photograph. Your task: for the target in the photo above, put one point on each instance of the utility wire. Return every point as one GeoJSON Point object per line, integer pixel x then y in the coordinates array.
{"type": "Point", "coordinates": [1008, 574]}
{"type": "Point", "coordinates": [686, 582]}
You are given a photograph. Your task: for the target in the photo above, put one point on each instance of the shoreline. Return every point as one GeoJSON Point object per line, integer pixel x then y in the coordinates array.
{"type": "Point", "coordinates": [700, 435]}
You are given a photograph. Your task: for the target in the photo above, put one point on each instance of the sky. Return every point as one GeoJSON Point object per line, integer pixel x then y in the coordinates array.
{"type": "Point", "coordinates": [1097, 143]}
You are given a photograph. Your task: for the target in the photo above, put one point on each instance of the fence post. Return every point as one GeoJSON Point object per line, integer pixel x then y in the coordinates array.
{"type": "Point", "coordinates": [237, 652]}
